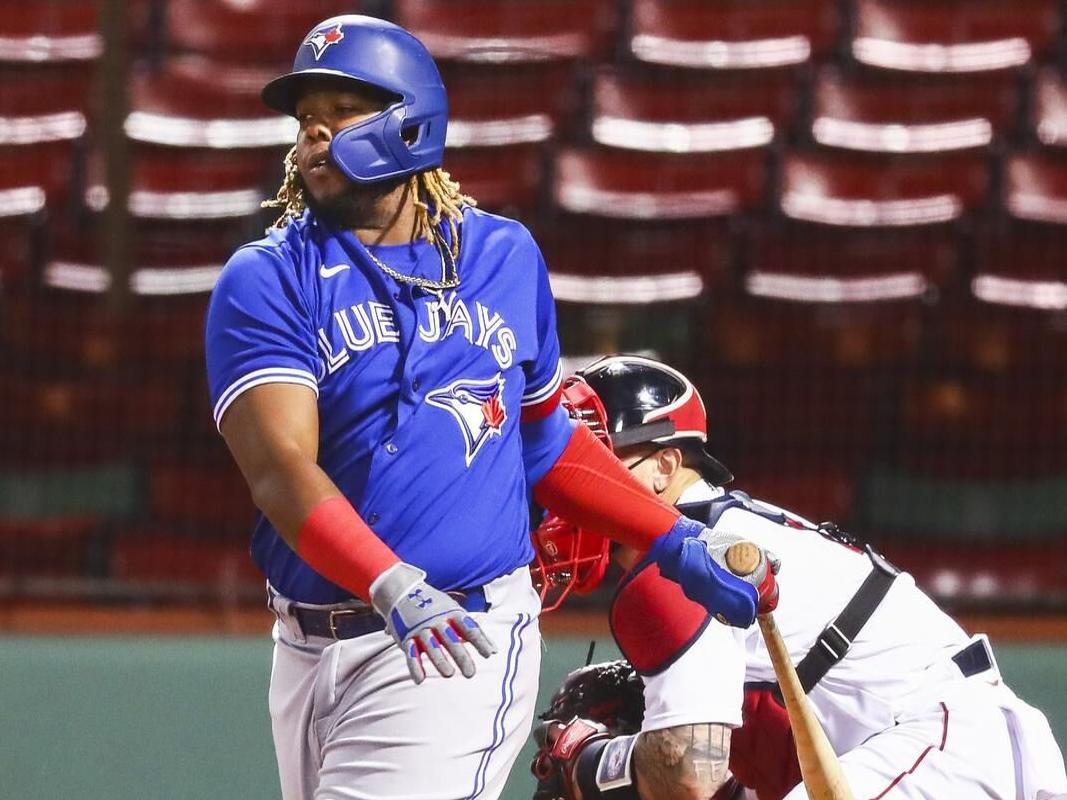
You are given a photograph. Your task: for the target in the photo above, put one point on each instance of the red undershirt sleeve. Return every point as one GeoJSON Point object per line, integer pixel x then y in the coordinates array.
{"type": "Point", "coordinates": [589, 487]}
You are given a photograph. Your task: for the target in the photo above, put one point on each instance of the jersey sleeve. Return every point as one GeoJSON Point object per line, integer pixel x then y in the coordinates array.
{"type": "Point", "coordinates": [706, 684]}
{"type": "Point", "coordinates": [259, 329]}
{"type": "Point", "coordinates": [544, 374]}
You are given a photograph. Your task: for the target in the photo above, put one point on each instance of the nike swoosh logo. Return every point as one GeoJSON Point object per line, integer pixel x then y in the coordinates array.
{"type": "Point", "coordinates": [329, 272]}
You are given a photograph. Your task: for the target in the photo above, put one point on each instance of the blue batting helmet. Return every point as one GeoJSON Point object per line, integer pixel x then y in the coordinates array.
{"type": "Point", "coordinates": [405, 138]}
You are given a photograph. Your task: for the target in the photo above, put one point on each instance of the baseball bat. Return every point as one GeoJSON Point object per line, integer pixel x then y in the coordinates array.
{"type": "Point", "coordinates": [819, 767]}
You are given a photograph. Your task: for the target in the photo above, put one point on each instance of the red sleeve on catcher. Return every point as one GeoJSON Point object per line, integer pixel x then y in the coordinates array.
{"type": "Point", "coordinates": [653, 622]}
{"type": "Point", "coordinates": [763, 755]}
{"type": "Point", "coordinates": [589, 487]}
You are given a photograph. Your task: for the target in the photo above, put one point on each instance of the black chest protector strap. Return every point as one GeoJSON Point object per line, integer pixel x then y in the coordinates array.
{"type": "Point", "coordinates": [836, 639]}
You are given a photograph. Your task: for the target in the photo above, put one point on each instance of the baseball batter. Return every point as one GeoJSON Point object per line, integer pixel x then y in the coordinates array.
{"type": "Point", "coordinates": [914, 706]}
{"type": "Point", "coordinates": [384, 368]}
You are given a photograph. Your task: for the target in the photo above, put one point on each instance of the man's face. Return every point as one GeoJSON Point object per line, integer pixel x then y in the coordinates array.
{"type": "Point", "coordinates": [323, 110]}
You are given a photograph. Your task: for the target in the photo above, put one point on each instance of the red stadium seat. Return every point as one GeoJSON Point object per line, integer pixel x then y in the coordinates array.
{"type": "Point", "coordinates": [188, 185]}
{"type": "Point", "coordinates": [51, 547]}
{"type": "Point", "coordinates": [687, 111]}
{"type": "Point", "coordinates": [85, 419]}
{"type": "Point", "coordinates": [985, 574]}
{"type": "Point", "coordinates": [953, 35]}
{"type": "Point", "coordinates": [864, 191]}
{"type": "Point", "coordinates": [1049, 107]}
{"type": "Point", "coordinates": [1022, 266]}
{"type": "Point", "coordinates": [246, 31]}
{"type": "Point", "coordinates": [503, 178]}
{"type": "Point", "coordinates": [155, 561]}
{"type": "Point", "coordinates": [611, 182]}
{"type": "Point", "coordinates": [49, 31]}
{"type": "Point", "coordinates": [502, 31]}
{"type": "Point", "coordinates": [1035, 187]}
{"type": "Point", "coordinates": [816, 495]}
{"type": "Point", "coordinates": [746, 334]}
{"type": "Point", "coordinates": [507, 104]}
{"type": "Point", "coordinates": [873, 111]}
{"type": "Point", "coordinates": [622, 262]}
{"type": "Point", "coordinates": [212, 499]}
{"type": "Point", "coordinates": [733, 34]}
{"type": "Point", "coordinates": [988, 426]}
{"type": "Point", "coordinates": [195, 102]}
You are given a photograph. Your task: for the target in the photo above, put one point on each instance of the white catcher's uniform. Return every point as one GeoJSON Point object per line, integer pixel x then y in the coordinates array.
{"type": "Point", "coordinates": [897, 709]}
{"type": "Point", "coordinates": [346, 715]}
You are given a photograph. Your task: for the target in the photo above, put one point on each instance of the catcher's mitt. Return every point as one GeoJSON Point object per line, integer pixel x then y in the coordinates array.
{"type": "Point", "coordinates": [594, 702]}
{"type": "Point", "coordinates": [610, 693]}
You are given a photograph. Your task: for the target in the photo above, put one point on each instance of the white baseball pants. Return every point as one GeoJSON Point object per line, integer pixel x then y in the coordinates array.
{"type": "Point", "coordinates": [349, 723]}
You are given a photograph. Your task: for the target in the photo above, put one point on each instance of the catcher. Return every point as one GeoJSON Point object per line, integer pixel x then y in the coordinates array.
{"type": "Point", "coordinates": [914, 707]}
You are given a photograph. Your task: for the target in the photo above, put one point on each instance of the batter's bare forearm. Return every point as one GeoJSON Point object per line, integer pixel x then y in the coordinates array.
{"type": "Point", "coordinates": [688, 762]}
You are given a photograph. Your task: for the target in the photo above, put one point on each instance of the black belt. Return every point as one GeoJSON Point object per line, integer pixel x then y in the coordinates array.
{"type": "Point", "coordinates": [348, 623]}
{"type": "Point", "coordinates": [837, 637]}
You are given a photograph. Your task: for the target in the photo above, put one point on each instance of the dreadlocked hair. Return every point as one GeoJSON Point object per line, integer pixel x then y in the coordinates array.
{"type": "Point", "coordinates": [437, 198]}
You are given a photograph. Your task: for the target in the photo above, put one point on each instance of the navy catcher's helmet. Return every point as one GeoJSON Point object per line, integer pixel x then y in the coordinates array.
{"type": "Point", "coordinates": [409, 135]}
{"type": "Point", "coordinates": [647, 401]}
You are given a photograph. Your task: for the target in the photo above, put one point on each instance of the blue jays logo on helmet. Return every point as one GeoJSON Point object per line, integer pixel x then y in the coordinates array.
{"type": "Point", "coordinates": [408, 135]}
{"type": "Point", "coordinates": [320, 40]}
{"type": "Point", "coordinates": [478, 407]}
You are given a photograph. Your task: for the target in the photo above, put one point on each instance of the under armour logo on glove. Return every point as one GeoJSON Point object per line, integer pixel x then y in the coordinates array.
{"type": "Point", "coordinates": [427, 622]}
{"type": "Point", "coordinates": [693, 557]}
{"type": "Point", "coordinates": [420, 600]}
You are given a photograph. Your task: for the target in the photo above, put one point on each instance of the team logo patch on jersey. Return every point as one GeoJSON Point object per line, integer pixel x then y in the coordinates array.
{"type": "Point", "coordinates": [320, 40]}
{"type": "Point", "coordinates": [478, 407]}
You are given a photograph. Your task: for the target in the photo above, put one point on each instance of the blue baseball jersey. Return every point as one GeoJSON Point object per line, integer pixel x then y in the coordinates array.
{"type": "Point", "coordinates": [420, 395]}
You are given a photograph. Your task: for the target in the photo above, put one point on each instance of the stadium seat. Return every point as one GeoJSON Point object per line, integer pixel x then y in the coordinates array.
{"type": "Point", "coordinates": [507, 104]}
{"type": "Point", "coordinates": [49, 31]}
{"type": "Point", "coordinates": [1049, 107]}
{"type": "Point", "coordinates": [208, 498]}
{"type": "Point", "coordinates": [1021, 265]}
{"type": "Point", "coordinates": [865, 191]}
{"type": "Point", "coordinates": [503, 31]}
{"type": "Point", "coordinates": [246, 31]}
{"type": "Point", "coordinates": [880, 112]}
{"type": "Point", "coordinates": [1035, 187]}
{"type": "Point", "coordinates": [618, 183]}
{"type": "Point", "coordinates": [817, 495]}
{"type": "Point", "coordinates": [501, 178]}
{"type": "Point", "coordinates": [49, 548]}
{"type": "Point", "coordinates": [733, 34]}
{"type": "Point", "coordinates": [170, 185]}
{"type": "Point", "coordinates": [999, 575]}
{"type": "Point", "coordinates": [953, 35]}
{"type": "Point", "coordinates": [747, 333]}
{"type": "Point", "coordinates": [155, 562]}
{"type": "Point", "coordinates": [195, 102]}
{"type": "Point", "coordinates": [689, 111]}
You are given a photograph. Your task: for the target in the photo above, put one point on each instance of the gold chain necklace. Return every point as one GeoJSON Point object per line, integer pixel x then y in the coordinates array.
{"type": "Point", "coordinates": [448, 264]}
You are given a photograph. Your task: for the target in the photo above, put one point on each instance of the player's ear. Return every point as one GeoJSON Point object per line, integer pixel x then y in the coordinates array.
{"type": "Point", "coordinates": [668, 462]}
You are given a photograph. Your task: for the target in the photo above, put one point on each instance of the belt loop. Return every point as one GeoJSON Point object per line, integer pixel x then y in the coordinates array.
{"type": "Point", "coordinates": [283, 609]}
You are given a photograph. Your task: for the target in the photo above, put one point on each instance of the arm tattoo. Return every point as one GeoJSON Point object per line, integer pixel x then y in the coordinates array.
{"type": "Point", "coordinates": [689, 761]}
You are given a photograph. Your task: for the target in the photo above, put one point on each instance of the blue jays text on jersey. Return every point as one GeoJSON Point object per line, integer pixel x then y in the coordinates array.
{"type": "Point", "coordinates": [419, 394]}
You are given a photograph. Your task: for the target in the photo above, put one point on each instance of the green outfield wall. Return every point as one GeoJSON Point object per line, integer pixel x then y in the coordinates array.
{"type": "Point", "coordinates": [186, 719]}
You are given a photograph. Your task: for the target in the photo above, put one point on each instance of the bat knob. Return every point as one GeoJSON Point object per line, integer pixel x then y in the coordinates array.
{"type": "Point", "coordinates": [742, 558]}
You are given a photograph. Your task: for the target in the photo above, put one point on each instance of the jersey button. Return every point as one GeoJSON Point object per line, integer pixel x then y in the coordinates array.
{"type": "Point", "coordinates": [391, 449]}
{"type": "Point", "coordinates": [372, 518]}
{"type": "Point", "coordinates": [415, 385]}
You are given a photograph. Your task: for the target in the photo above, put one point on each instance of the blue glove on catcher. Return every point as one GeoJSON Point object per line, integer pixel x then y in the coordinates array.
{"type": "Point", "coordinates": [698, 566]}
{"type": "Point", "coordinates": [424, 620]}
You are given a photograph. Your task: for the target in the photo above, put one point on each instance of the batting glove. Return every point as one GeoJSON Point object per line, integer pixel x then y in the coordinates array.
{"type": "Point", "coordinates": [693, 557]}
{"type": "Point", "coordinates": [425, 621]}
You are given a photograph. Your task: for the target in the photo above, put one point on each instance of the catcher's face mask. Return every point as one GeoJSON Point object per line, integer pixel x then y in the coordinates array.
{"type": "Point", "coordinates": [568, 558]}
